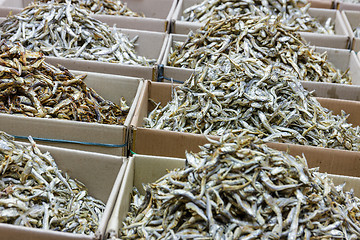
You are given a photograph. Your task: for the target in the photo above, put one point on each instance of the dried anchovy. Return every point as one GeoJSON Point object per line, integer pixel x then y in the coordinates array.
{"type": "Point", "coordinates": [64, 30]}
{"type": "Point", "coordinates": [239, 189]}
{"type": "Point", "coordinates": [357, 32]}
{"type": "Point", "coordinates": [35, 193]}
{"type": "Point", "coordinates": [271, 104]}
{"type": "Point", "coordinates": [108, 7]}
{"type": "Point", "coordinates": [291, 13]}
{"type": "Point", "coordinates": [257, 41]}
{"type": "Point", "coordinates": [32, 87]}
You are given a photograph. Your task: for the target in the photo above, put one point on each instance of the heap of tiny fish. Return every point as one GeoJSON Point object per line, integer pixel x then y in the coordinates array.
{"type": "Point", "coordinates": [291, 13]}
{"type": "Point", "coordinates": [255, 42]}
{"type": "Point", "coordinates": [271, 104]}
{"type": "Point", "coordinates": [29, 86]}
{"type": "Point", "coordinates": [35, 193]}
{"type": "Point", "coordinates": [107, 7]}
{"type": "Point", "coordinates": [64, 30]}
{"type": "Point", "coordinates": [239, 189]}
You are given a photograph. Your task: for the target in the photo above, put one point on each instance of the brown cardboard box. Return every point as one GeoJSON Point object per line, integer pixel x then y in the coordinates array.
{"type": "Point", "coordinates": [342, 58]}
{"type": "Point", "coordinates": [149, 44]}
{"type": "Point", "coordinates": [174, 144]}
{"type": "Point", "coordinates": [110, 87]}
{"type": "Point", "coordinates": [339, 40]}
{"type": "Point", "coordinates": [147, 169]}
{"type": "Point", "coordinates": [352, 20]}
{"type": "Point", "coordinates": [102, 175]}
{"type": "Point", "coordinates": [157, 14]}
{"type": "Point", "coordinates": [346, 6]}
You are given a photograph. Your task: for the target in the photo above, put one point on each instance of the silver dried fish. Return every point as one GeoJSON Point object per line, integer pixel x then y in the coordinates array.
{"type": "Point", "coordinates": [240, 189]}
{"type": "Point", "coordinates": [270, 103]}
{"type": "Point", "coordinates": [294, 14]}
{"type": "Point", "coordinates": [108, 7]}
{"type": "Point", "coordinates": [256, 43]}
{"type": "Point", "coordinates": [35, 193]}
{"type": "Point", "coordinates": [64, 30]}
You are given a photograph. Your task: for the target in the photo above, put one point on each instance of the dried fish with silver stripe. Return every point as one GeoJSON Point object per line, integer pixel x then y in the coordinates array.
{"type": "Point", "coordinates": [270, 103]}
{"type": "Point", "coordinates": [29, 86]}
{"type": "Point", "coordinates": [35, 193]}
{"type": "Point", "coordinates": [240, 189]}
{"type": "Point", "coordinates": [108, 7]}
{"type": "Point", "coordinates": [257, 42]}
{"type": "Point", "coordinates": [64, 30]}
{"type": "Point", "coordinates": [291, 13]}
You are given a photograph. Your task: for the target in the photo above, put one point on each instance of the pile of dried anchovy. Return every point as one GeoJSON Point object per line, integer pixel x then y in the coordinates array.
{"type": "Point", "coordinates": [291, 13]}
{"type": "Point", "coordinates": [255, 42]}
{"type": "Point", "coordinates": [237, 189]}
{"type": "Point", "coordinates": [64, 30]}
{"type": "Point", "coordinates": [108, 7]}
{"type": "Point", "coordinates": [32, 87]}
{"type": "Point", "coordinates": [35, 193]}
{"type": "Point", "coordinates": [272, 104]}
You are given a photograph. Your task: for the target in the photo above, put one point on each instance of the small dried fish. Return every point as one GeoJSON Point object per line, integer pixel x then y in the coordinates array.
{"type": "Point", "coordinates": [270, 103]}
{"type": "Point", "coordinates": [294, 14]}
{"type": "Point", "coordinates": [357, 32]}
{"type": "Point", "coordinates": [255, 42]}
{"type": "Point", "coordinates": [108, 7]}
{"type": "Point", "coordinates": [35, 193]}
{"type": "Point", "coordinates": [29, 86]}
{"type": "Point", "coordinates": [64, 30]}
{"type": "Point", "coordinates": [240, 189]}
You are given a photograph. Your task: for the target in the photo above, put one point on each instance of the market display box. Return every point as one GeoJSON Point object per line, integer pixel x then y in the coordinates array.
{"type": "Point", "coordinates": [341, 58]}
{"type": "Point", "coordinates": [352, 21]}
{"type": "Point", "coordinates": [339, 40]}
{"type": "Point", "coordinates": [149, 44]}
{"type": "Point", "coordinates": [102, 175]}
{"type": "Point", "coordinates": [110, 87]}
{"type": "Point", "coordinates": [147, 169]}
{"type": "Point", "coordinates": [340, 5]}
{"type": "Point", "coordinates": [157, 14]}
{"type": "Point", "coordinates": [174, 144]}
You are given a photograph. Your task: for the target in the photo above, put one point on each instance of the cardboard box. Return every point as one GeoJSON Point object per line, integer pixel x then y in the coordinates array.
{"type": "Point", "coordinates": [341, 58]}
{"type": "Point", "coordinates": [149, 44]}
{"type": "Point", "coordinates": [147, 169]}
{"type": "Point", "coordinates": [352, 20]}
{"type": "Point", "coordinates": [174, 144]}
{"type": "Point", "coordinates": [157, 14]}
{"type": "Point", "coordinates": [102, 175]}
{"type": "Point", "coordinates": [110, 87]}
{"type": "Point", "coordinates": [346, 6]}
{"type": "Point", "coordinates": [339, 40]}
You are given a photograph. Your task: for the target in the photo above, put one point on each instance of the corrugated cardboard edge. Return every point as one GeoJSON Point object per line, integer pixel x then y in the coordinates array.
{"type": "Point", "coordinates": [112, 202]}
{"type": "Point", "coordinates": [169, 17]}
